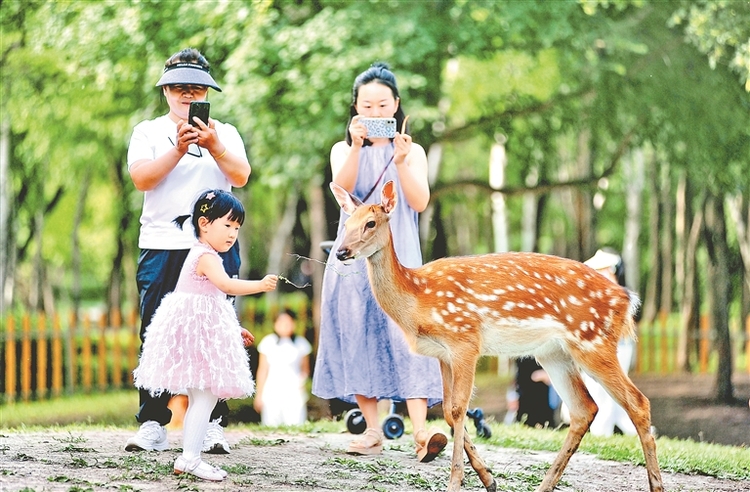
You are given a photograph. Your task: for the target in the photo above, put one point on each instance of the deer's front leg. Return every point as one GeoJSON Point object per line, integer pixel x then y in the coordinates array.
{"type": "Point", "coordinates": [447, 374]}
{"type": "Point", "coordinates": [463, 384]}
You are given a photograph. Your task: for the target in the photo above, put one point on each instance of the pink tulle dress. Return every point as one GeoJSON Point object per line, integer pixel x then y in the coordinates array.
{"type": "Point", "coordinates": [194, 340]}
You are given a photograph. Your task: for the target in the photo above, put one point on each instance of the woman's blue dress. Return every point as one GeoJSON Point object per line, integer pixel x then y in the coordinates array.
{"type": "Point", "coordinates": [362, 351]}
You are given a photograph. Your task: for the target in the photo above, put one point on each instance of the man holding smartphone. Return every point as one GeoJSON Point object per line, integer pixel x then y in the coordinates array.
{"type": "Point", "coordinates": [172, 160]}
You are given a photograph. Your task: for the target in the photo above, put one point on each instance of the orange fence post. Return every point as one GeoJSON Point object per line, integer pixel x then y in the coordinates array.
{"type": "Point", "coordinates": [72, 350]}
{"type": "Point", "coordinates": [102, 352]}
{"type": "Point", "coordinates": [652, 348]}
{"type": "Point", "coordinates": [116, 365]}
{"type": "Point", "coordinates": [41, 356]}
{"type": "Point", "coordinates": [26, 359]}
{"type": "Point", "coordinates": [134, 338]}
{"type": "Point", "coordinates": [10, 360]}
{"type": "Point", "coordinates": [639, 353]}
{"type": "Point", "coordinates": [664, 342]}
{"type": "Point", "coordinates": [704, 345]}
{"type": "Point", "coordinates": [57, 359]}
{"type": "Point", "coordinates": [86, 354]}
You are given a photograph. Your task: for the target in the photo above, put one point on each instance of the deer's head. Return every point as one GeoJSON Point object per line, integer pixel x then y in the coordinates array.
{"type": "Point", "coordinates": [366, 231]}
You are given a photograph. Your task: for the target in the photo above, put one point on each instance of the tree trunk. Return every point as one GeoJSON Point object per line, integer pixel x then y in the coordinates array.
{"type": "Point", "coordinates": [5, 190]}
{"type": "Point", "coordinates": [585, 244]}
{"type": "Point", "coordinates": [742, 228]}
{"type": "Point", "coordinates": [653, 286]}
{"type": "Point", "coordinates": [76, 248]}
{"type": "Point", "coordinates": [497, 164]}
{"type": "Point", "coordinates": [122, 212]}
{"type": "Point", "coordinates": [633, 171]}
{"type": "Point", "coordinates": [718, 253]}
{"type": "Point", "coordinates": [530, 222]}
{"type": "Point", "coordinates": [280, 241]}
{"type": "Point", "coordinates": [666, 242]}
{"type": "Point", "coordinates": [689, 300]}
{"type": "Point", "coordinates": [316, 208]}
{"type": "Point", "coordinates": [434, 159]}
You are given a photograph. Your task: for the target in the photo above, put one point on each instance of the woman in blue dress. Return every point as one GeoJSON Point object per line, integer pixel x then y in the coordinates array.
{"type": "Point", "coordinates": [362, 354]}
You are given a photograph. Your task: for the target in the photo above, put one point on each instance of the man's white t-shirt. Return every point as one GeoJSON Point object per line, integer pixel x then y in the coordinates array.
{"type": "Point", "coordinates": [195, 173]}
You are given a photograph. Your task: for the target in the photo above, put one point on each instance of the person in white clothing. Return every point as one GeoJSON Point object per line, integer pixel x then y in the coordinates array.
{"type": "Point", "coordinates": [172, 161]}
{"type": "Point", "coordinates": [611, 414]}
{"type": "Point", "coordinates": [283, 369]}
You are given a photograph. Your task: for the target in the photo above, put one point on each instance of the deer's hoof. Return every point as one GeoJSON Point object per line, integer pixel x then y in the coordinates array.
{"type": "Point", "coordinates": [492, 487]}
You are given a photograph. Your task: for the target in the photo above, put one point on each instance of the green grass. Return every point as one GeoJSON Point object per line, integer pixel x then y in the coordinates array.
{"type": "Point", "coordinates": [112, 408]}
{"type": "Point", "coordinates": [117, 408]}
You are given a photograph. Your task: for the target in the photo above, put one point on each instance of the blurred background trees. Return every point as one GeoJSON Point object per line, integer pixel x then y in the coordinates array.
{"type": "Point", "coordinates": [612, 123]}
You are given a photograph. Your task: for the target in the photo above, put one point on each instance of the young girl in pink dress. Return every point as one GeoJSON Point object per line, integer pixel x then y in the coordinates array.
{"type": "Point", "coordinates": [195, 344]}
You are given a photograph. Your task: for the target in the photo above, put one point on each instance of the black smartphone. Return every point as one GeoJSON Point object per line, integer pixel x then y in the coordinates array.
{"type": "Point", "coordinates": [199, 109]}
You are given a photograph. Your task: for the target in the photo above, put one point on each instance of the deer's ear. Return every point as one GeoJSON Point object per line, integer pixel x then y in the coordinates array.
{"type": "Point", "coordinates": [346, 200]}
{"type": "Point", "coordinates": [388, 197]}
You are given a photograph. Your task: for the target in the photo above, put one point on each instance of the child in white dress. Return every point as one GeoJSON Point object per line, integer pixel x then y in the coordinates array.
{"type": "Point", "coordinates": [283, 369]}
{"type": "Point", "coordinates": [195, 344]}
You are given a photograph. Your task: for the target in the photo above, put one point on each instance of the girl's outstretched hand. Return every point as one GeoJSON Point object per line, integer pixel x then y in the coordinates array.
{"type": "Point", "coordinates": [268, 283]}
{"type": "Point", "coordinates": [247, 337]}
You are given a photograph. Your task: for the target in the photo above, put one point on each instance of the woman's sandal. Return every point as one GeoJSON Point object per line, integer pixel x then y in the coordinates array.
{"type": "Point", "coordinates": [429, 444]}
{"type": "Point", "coordinates": [199, 468]}
{"type": "Point", "coordinates": [371, 443]}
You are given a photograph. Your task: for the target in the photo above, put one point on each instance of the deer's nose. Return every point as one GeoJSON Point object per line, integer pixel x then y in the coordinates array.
{"type": "Point", "coordinates": [343, 254]}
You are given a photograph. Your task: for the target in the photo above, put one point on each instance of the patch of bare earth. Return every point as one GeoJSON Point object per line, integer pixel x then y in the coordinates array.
{"type": "Point", "coordinates": [96, 460]}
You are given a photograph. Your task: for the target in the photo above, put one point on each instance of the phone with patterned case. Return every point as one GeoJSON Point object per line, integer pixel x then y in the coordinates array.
{"type": "Point", "coordinates": [379, 127]}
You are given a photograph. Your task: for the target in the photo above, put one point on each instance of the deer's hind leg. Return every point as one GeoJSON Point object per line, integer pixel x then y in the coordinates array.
{"type": "Point", "coordinates": [610, 375]}
{"type": "Point", "coordinates": [568, 383]}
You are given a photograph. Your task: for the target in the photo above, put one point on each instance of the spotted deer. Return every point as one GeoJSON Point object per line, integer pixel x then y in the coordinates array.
{"type": "Point", "coordinates": [457, 309]}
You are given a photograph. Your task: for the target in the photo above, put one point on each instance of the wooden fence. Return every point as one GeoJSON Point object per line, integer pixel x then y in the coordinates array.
{"type": "Point", "coordinates": [46, 356]}
{"type": "Point", "coordinates": [44, 359]}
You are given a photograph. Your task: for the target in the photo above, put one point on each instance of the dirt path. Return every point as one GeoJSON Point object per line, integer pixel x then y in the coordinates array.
{"type": "Point", "coordinates": [96, 461]}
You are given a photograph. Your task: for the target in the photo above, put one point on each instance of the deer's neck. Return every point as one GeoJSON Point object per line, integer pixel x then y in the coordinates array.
{"type": "Point", "coordinates": [392, 285]}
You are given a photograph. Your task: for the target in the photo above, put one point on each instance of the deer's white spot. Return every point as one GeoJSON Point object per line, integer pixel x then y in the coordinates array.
{"type": "Point", "coordinates": [509, 306]}
{"type": "Point", "coordinates": [574, 301]}
{"type": "Point", "coordinates": [486, 297]}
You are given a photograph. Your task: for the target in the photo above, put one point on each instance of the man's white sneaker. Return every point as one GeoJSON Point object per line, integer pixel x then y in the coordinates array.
{"type": "Point", "coordinates": [152, 436]}
{"type": "Point", "coordinates": [214, 442]}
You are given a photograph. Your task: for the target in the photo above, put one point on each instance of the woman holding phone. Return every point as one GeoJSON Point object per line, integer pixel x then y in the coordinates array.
{"type": "Point", "coordinates": [172, 160]}
{"type": "Point", "coordinates": [362, 354]}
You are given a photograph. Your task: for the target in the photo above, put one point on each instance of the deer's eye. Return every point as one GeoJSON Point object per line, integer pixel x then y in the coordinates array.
{"type": "Point", "coordinates": [370, 224]}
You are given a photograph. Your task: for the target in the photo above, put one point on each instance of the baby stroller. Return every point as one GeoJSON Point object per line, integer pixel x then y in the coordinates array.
{"type": "Point", "coordinates": [393, 425]}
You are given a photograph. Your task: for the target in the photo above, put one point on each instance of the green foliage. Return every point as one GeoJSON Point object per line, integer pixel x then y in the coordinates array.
{"type": "Point", "coordinates": [77, 76]}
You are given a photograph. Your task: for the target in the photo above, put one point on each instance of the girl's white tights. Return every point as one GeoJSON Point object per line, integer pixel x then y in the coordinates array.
{"type": "Point", "coordinates": [200, 405]}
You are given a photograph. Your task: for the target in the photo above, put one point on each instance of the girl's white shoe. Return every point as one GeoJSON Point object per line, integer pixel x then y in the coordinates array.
{"type": "Point", "coordinates": [199, 468]}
